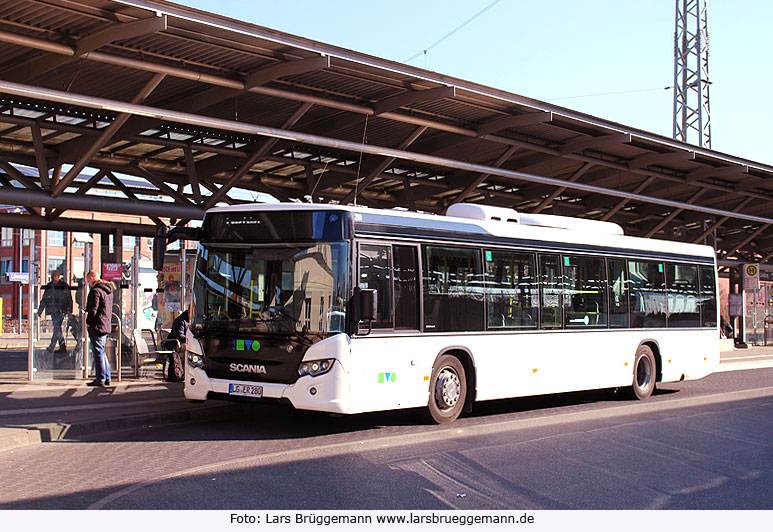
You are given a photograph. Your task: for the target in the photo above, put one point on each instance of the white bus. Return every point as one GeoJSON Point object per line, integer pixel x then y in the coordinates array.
{"type": "Point", "coordinates": [349, 309]}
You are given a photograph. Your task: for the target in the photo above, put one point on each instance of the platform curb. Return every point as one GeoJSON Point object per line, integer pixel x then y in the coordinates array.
{"type": "Point", "coordinates": [21, 436]}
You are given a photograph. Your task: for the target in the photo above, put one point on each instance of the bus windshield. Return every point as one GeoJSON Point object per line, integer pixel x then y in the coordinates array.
{"type": "Point", "coordinates": [295, 288]}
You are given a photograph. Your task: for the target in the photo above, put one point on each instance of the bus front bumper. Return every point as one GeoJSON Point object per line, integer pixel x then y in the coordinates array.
{"type": "Point", "coordinates": [325, 393]}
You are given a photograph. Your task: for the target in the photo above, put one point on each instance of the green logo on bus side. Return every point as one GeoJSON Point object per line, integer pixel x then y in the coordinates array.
{"type": "Point", "coordinates": [386, 377]}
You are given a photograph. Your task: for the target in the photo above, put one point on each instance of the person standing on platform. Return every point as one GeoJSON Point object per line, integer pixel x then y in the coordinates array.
{"type": "Point", "coordinates": [99, 308]}
{"type": "Point", "coordinates": [176, 342]}
{"type": "Point", "coordinates": [57, 302]}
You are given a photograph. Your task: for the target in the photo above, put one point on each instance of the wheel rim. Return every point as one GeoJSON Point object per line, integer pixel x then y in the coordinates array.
{"type": "Point", "coordinates": [644, 373]}
{"type": "Point", "coordinates": [448, 388]}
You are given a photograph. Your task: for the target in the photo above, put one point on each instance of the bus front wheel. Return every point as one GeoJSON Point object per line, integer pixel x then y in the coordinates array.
{"type": "Point", "coordinates": [448, 390]}
{"type": "Point", "coordinates": [644, 373]}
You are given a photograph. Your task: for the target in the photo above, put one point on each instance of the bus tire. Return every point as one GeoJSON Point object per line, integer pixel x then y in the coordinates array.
{"type": "Point", "coordinates": [644, 373]}
{"type": "Point", "coordinates": [448, 390]}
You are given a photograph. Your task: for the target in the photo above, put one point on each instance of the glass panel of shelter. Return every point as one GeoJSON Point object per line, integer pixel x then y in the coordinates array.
{"type": "Point", "coordinates": [58, 336]}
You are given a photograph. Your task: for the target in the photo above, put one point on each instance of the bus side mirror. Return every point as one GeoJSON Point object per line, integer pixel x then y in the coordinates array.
{"type": "Point", "coordinates": [159, 250]}
{"type": "Point", "coordinates": [368, 306]}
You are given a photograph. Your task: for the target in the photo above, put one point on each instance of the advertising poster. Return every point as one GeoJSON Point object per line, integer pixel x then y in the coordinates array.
{"type": "Point", "coordinates": [168, 300]}
{"type": "Point", "coordinates": [111, 271]}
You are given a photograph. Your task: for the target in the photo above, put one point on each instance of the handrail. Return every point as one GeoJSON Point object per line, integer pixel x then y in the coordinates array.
{"type": "Point", "coordinates": [118, 347]}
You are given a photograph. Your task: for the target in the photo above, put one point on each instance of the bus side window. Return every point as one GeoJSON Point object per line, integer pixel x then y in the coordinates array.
{"type": "Point", "coordinates": [585, 283]}
{"type": "Point", "coordinates": [453, 291]}
{"type": "Point", "coordinates": [682, 295]}
{"type": "Point", "coordinates": [511, 290]}
{"type": "Point", "coordinates": [648, 294]}
{"type": "Point", "coordinates": [376, 272]}
{"type": "Point", "coordinates": [406, 281]}
{"type": "Point", "coordinates": [551, 292]}
{"type": "Point", "coordinates": [708, 304]}
{"type": "Point", "coordinates": [618, 293]}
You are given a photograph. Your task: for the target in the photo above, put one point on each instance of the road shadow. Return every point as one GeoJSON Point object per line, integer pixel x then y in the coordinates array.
{"type": "Point", "coordinates": [271, 421]}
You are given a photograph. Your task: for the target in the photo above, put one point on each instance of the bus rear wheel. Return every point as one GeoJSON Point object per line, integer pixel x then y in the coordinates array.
{"type": "Point", "coordinates": [644, 373]}
{"type": "Point", "coordinates": [448, 390]}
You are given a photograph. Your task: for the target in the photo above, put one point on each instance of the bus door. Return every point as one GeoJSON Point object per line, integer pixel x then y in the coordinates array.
{"type": "Point", "coordinates": [384, 360]}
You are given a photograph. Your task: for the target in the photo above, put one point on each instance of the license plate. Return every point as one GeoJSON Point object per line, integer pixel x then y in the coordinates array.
{"type": "Point", "coordinates": [245, 389]}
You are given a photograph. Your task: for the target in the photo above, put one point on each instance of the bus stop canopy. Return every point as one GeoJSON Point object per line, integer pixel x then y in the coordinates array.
{"type": "Point", "coordinates": [150, 108]}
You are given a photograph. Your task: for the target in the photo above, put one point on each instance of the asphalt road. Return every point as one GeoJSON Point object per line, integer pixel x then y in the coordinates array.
{"type": "Point", "coordinates": [706, 444]}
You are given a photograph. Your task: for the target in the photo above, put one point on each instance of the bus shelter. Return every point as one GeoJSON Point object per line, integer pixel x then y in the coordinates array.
{"type": "Point", "coordinates": [145, 302]}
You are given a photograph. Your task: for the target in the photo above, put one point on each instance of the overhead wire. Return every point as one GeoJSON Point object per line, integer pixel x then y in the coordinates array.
{"type": "Point", "coordinates": [447, 35]}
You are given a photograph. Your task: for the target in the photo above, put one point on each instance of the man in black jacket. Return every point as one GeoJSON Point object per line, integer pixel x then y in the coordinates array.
{"type": "Point", "coordinates": [99, 311]}
{"type": "Point", "coordinates": [57, 302]}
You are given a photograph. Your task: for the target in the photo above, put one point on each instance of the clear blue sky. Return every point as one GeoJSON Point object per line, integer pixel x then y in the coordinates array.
{"type": "Point", "coordinates": [558, 51]}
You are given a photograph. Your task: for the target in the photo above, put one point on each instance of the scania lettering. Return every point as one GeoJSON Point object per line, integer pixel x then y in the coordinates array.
{"type": "Point", "coordinates": [349, 309]}
{"type": "Point", "coordinates": [248, 368]}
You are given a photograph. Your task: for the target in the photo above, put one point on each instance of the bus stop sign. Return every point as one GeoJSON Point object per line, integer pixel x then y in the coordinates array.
{"type": "Point", "coordinates": [751, 277]}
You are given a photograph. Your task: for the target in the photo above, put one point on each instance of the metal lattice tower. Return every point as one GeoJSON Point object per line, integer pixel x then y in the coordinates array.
{"type": "Point", "coordinates": [692, 119]}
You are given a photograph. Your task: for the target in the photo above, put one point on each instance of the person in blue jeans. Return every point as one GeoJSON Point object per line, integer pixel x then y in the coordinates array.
{"type": "Point", "coordinates": [99, 305]}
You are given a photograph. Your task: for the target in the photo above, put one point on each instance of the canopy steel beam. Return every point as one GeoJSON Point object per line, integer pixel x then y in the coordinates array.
{"type": "Point", "coordinates": [673, 215]}
{"type": "Point", "coordinates": [85, 187]}
{"type": "Point", "coordinates": [256, 155]}
{"type": "Point", "coordinates": [475, 183]}
{"type": "Point", "coordinates": [383, 165]}
{"type": "Point", "coordinates": [117, 32]}
{"type": "Point", "coordinates": [749, 184]}
{"type": "Point", "coordinates": [738, 247]}
{"type": "Point", "coordinates": [32, 198]}
{"type": "Point", "coordinates": [594, 142]}
{"type": "Point", "coordinates": [506, 122]}
{"type": "Point", "coordinates": [622, 203]}
{"type": "Point", "coordinates": [214, 95]}
{"type": "Point", "coordinates": [659, 159]}
{"type": "Point", "coordinates": [412, 97]}
{"type": "Point", "coordinates": [129, 194]}
{"type": "Point", "coordinates": [105, 137]}
{"type": "Point", "coordinates": [711, 171]}
{"type": "Point", "coordinates": [74, 224]}
{"type": "Point", "coordinates": [179, 198]}
{"type": "Point", "coordinates": [560, 190]}
{"type": "Point", "coordinates": [17, 175]}
{"type": "Point", "coordinates": [40, 156]}
{"type": "Point", "coordinates": [193, 176]}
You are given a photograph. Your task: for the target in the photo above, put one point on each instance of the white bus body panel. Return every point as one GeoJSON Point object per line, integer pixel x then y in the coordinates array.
{"type": "Point", "coordinates": [393, 371]}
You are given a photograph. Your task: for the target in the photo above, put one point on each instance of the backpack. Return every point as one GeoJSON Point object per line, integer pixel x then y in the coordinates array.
{"type": "Point", "coordinates": [173, 368]}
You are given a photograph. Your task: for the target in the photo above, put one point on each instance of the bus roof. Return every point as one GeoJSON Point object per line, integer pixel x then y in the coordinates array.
{"type": "Point", "coordinates": [498, 223]}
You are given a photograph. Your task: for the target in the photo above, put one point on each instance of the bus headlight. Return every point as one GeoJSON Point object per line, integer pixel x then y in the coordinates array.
{"type": "Point", "coordinates": [195, 360]}
{"type": "Point", "coordinates": [315, 367]}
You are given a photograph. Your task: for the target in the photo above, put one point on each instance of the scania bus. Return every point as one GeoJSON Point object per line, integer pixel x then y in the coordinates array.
{"type": "Point", "coordinates": [349, 309]}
